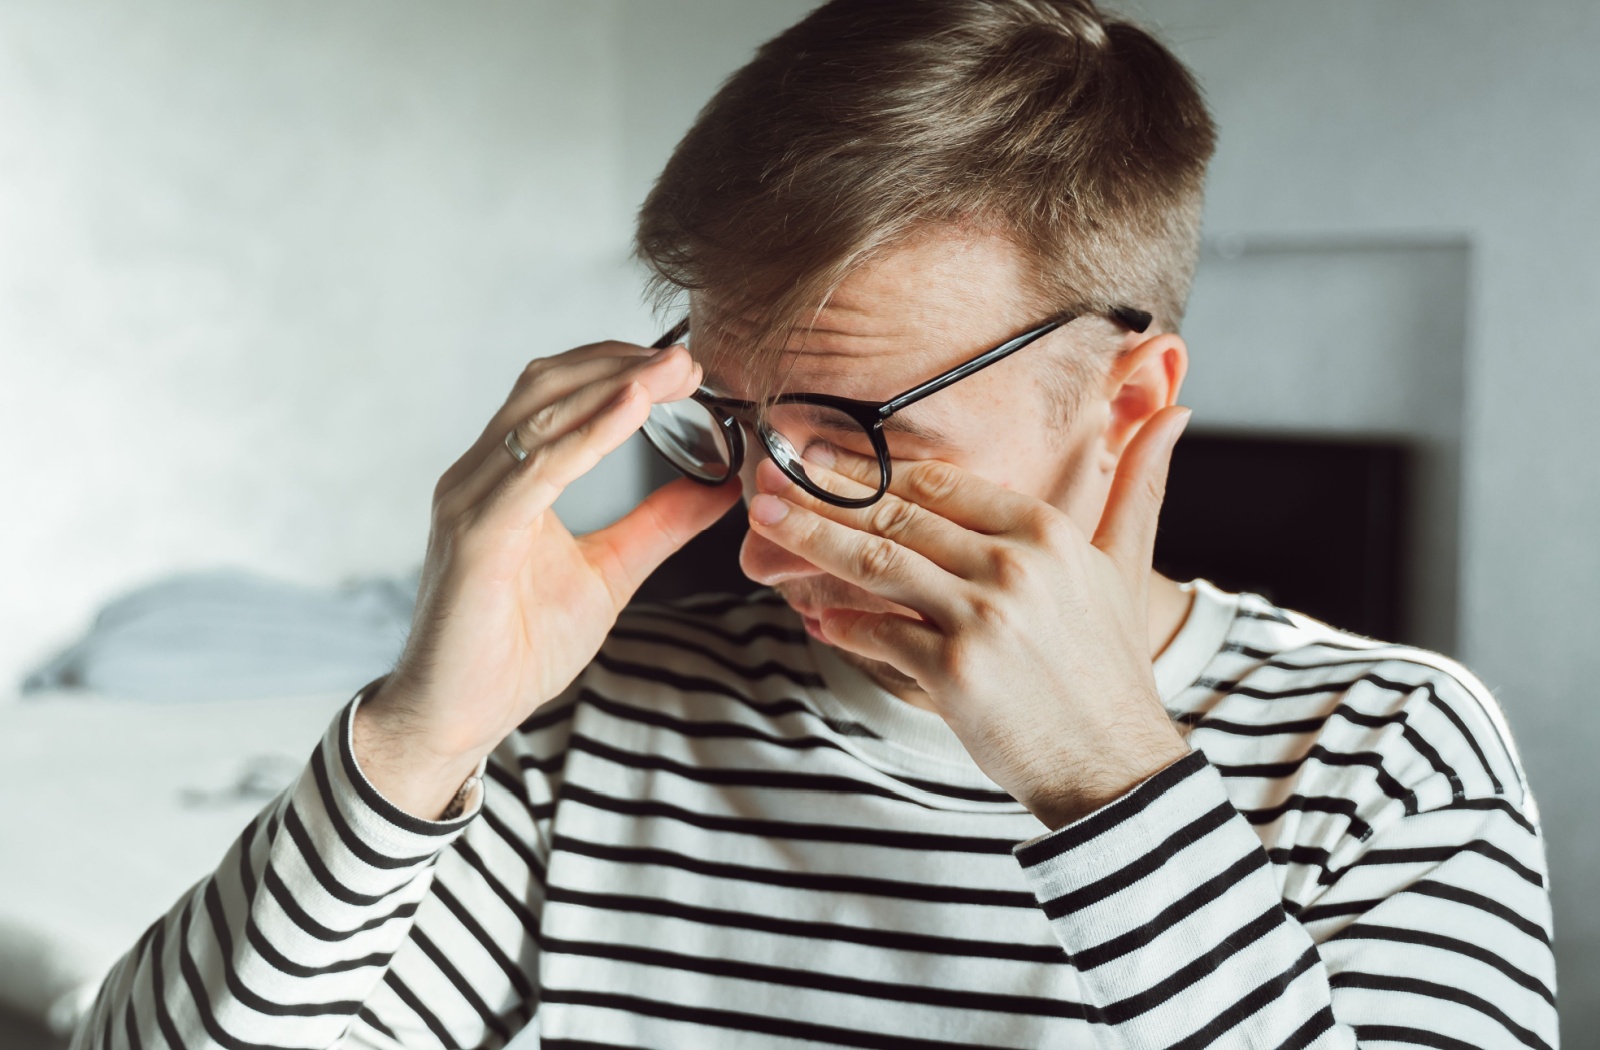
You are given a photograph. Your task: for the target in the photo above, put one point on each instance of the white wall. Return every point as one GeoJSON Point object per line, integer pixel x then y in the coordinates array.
{"type": "Point", "coordinates": [1344, 337]}
{"type": "Point", "coordinates": [1476, 121]}
{"type": "Point", "coordinates": [266, 269]}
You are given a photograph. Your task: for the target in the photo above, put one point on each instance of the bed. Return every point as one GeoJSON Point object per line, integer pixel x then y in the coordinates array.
{"type": "Point", "coordinates": [112, 809]}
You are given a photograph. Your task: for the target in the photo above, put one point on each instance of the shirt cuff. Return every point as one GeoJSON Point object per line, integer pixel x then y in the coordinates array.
{"type": "Point", "coordinates": [466, 805]}
{"type": "Point", "coordinates": [1122, 865]}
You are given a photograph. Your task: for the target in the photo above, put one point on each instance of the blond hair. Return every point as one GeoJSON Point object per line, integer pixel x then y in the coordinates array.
{"type": "Point", "coordinates": [1079, 138]}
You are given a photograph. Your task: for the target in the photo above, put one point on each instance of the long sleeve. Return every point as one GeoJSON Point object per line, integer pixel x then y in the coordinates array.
{"type": "Point", "coordinates": [1430, 910]}
{"type": "Point", "coordinates": [286, 941]}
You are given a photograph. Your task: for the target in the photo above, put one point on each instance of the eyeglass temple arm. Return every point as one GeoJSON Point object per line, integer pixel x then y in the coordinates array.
{"type": "Point", "coordinates": [1127, 316]}
{"type": "Point", "coordinates": [966, 368]}
{"type": "Point", "coordinates": [675, 333]}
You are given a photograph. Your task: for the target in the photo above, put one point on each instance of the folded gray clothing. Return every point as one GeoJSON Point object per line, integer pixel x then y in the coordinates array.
{"type": "Point", "coordinates": [230, 634]}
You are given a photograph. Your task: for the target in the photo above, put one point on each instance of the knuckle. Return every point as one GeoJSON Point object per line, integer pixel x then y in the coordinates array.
{"type": "Point", "coordinates": [891, 517]}
{"type": "Point", "coordinates": [533, 370]}
{"type": "Point", "coordinates": [1052, 528]}
{"type": "Point", "coordinates": [933, 482]}
{"type": "Point", "coordinates": [987, 614]}
{"type": "Point", "coordinates": [876, 558]}
{"type": "Point", "coordinates": [544, 418]}
{"type": "Point", "coordinates": [1008, 567]}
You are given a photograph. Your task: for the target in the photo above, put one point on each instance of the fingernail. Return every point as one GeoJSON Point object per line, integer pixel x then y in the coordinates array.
{"type": "Point", "coordinates": [1183, 425]}
{"type": "Point", "coordinates": [767, 509]}
{"type": "Point", "coordinates": [664, 351]}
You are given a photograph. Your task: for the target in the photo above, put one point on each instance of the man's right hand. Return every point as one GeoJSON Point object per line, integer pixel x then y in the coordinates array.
{"type": "Point", "coordinates": [512, 606]}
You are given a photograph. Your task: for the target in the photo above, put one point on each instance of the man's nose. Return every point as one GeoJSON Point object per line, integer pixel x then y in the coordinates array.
{"type": "Point", "coordinates": [767, 563]}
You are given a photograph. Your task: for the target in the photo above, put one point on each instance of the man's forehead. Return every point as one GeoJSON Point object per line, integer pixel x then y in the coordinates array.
{"type": "Point", "coordinates": [950, 279]}
{"type": "Point", "coordinates": [832, 363]}
{"type": "Point", "coordinates": [893, 323]}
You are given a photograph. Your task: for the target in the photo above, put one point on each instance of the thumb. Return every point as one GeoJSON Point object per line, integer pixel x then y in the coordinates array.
{"type": "Point", "coordinates": [630, 549]}
{"type": "Point", "coordinates": [1127, 530]}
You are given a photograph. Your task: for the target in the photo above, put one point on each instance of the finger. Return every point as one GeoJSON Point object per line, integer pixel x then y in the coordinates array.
{"type": "Point", "coordinates": [630, 549]}
{"type": "Point", "coordinates": [910, 646]}
{"type": "Point", "coordinates": [666, 379]}
{"type": "Point", "coordinates": [552, 378]}
{"type": "Point", "coordinates": [660, 379]}
{"type": "Point", "coordinates": [840, 470]}
{"type": "Point", "coordinates": [1127, 529]}
{"type": "Point", "coordinates": [876, 565]}
{"type": "Point", "coordinates": [968, 499]}
{"type": "Point", "coordinates": [544, 387]}
{"type": "Point", "coordinates": [543, 381]}
{"type": "Point", "coordinates": [946, 544]}
{"type": "Point", "coordinates": [528, 489]}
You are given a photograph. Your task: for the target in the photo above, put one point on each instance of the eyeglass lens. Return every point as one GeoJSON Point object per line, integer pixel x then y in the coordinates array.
{"type": "Point", "coordinates": [797, 435]}
{"type": "Point", "coordinates": [800, 437]}
{"type": "Point", "coordinates": [804, 439]}
{"type": "Point", "coordinates": [693, 440]}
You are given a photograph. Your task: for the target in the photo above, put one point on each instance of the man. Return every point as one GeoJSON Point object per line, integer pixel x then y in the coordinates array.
{"type": "Point", "coordinates": [969, 773]}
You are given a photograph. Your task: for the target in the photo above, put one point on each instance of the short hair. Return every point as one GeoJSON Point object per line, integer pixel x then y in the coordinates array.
{"type": "Point", "coordinates": [1078, 137]}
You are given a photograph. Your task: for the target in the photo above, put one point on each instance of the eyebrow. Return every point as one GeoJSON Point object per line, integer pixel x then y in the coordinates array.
{"type": "Point", "coordinates": [905, 425]}
{"type": "Point", "coordinates": [900, 422]}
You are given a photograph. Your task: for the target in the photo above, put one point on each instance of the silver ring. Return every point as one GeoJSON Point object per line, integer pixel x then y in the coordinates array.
{"type": "Point", "coordinates": [514, 447]}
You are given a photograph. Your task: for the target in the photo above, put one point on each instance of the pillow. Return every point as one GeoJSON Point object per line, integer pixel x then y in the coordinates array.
{"type": "Point", "coordinates": [227, 633]}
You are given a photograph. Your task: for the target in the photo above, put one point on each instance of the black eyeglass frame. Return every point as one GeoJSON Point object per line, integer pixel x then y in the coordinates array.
{"type": "Point", "coordinates": [730, 413]}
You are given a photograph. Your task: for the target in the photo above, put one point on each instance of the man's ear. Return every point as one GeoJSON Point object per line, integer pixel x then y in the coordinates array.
{"type": "Point", "coordinates": [1140, 382]}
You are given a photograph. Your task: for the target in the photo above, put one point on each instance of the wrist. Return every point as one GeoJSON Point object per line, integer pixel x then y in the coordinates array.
{"type": "Point", "coordinates": [397, 760]}
{"type": "Point", "coordinates": [1094, 786]}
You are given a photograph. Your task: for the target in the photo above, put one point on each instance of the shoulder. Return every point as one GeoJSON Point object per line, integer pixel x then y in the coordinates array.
{"type": "Point", "coordinates": [1411, 717]}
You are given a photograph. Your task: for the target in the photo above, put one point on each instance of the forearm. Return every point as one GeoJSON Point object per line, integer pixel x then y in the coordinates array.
{"type": "Point", "coordinates": [283, 943]}
{"type": "Point", "coordinates": [1169, 908]}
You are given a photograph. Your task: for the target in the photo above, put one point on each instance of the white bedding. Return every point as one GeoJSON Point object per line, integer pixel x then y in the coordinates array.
{"type": "Point", "coordinates": [109, 810]}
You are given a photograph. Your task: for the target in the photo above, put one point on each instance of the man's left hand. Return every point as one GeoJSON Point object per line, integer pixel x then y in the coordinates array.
{"type": "Point", "coordinates": [1031, 640]}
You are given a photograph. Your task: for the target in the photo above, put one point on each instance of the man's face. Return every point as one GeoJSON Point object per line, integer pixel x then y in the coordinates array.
{"type": "Point", "coordinates": [916, 312]}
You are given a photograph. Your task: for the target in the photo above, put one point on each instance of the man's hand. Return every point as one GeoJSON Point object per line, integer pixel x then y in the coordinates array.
{"type": "Point", "coordinates": [511, 605]}
{"type": "Point", "coordinates": [1033, 640]}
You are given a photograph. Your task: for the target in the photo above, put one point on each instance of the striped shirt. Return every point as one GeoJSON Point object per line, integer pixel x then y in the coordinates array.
{"type": "Point", "coordinates": [723, 836]}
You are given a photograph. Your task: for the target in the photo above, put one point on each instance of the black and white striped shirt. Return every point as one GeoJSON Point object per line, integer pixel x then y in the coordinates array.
{"type": "Point", "coordinates": [723, 836]}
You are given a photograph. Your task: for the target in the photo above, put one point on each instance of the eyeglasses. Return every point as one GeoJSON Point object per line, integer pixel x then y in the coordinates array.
{"type": "Point", "coordinates": [703, 434]}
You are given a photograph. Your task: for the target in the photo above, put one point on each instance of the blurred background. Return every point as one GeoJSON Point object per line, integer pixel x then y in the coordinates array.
{"type": "Point", "coordinates": [266, 270]}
